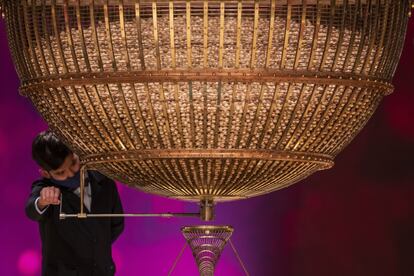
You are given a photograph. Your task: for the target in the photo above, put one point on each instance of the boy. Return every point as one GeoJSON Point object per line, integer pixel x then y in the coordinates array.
{"type": "Point", "coordinates": [80, 247]}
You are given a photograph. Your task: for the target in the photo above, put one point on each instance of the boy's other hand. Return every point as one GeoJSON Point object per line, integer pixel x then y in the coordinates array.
{"type": "Point", "coordinates": [48, 195]}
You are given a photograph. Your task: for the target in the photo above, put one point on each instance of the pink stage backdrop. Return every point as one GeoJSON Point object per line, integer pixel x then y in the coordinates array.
{"type": "Point", "coordinates": [355, 219]}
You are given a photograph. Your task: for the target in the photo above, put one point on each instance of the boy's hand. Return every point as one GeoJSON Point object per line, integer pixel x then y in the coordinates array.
{"type": "Point", "coordinates": [48, 195]}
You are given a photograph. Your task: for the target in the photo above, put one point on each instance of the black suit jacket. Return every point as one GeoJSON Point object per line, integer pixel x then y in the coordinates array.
{"type": "Point", "coordinates": [78, 247]}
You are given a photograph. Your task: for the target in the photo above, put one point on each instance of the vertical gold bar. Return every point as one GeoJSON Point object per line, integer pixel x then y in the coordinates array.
{"type": "Point", "coordinates": [155, 29]}
{"type": "Point", "coordinates": [270, 39]}
{"type": "Point", "coordinates": [243, 118]}
{"type": "Point", "coordinates": [138, 26]}
{"type": "Point", "coordinates": [255, 30]}
{"type": "Point", "coordinates": [120, 144]}
{"type": "Point", "coordinates": [221, 39]}
{"type": "Point", "coordinates": [192, 134]}
{"type": "Point", "coordinates": [109, 36]}
{"type": "Point", "coordinates": [172, 37]}
{"type": "Point", "coordinates": [341, 35]}
{"type": "Point", "coordinates": [165, 113]}
{"type": "Point", "coordinates": [363, 38]}
{"type": "Point", "coordinates": [311, 119]}
{"type": "Point", "coordinates": [287, 33]}
{"type": "Point", "coordinates": [340, 113]}
{"type": "Point", "coordinates": [271, 30]}
{"type": "Point", "coordinates": [76, 125]}
{"type": "Point", "coordinates": [129, 116]}
{"type": "Point", "coordinates": [328, 36]}
{"type": "Point", "coordinates": [173, 65]}
{"type": "Point", "coordinates": [218, 112]}
{"type": "Point", "coordinates": [141, 117]}
{"type": "Point", "coordinates": [205, 115]}
{"type": "Point", "coordinates": [301, 34]}
{"type": "Point", "coordinates": [205, 90]}
{"type": "Point", "coordinates": [38, 39]}
{"type": "Point", "coordinates": [88, 124]}
{"type": "Point", "coordinates": [219, 89]}
{"type": "Point", "coordinates": [48, 43]}
{"type": "Point", "coordinates": [69, 35]}
{"type": "Point", "coordinates": [205, 34]}
{"type": "Point", "coordinates": [129, 141]}
{"type": "Point", "coordinates": [324, 128]}
{"type": "Point", "coordinates": [82, 36]}
{"type": "Point", "coordinates": [16, 47]}
{"type": "Point", "coordinates": [57, 35]}
{"type": "Point", "coordinates": [351, 44]}
{"type": "Point", "coordinates": [388, 67]}
{"type": "Point", "coordinates": [82, 191]}
{"type": "Point", "coordinates": [373, 33]}
{"type": "Point", "coordinates": [230, 123]}
{"type": "Point", "coordinates": [388, 41]}
{"type": "Point", "coordinates": [252, 65]}
{"type": "Point", "coordinates": [123, 34]}
{"type": "Point", "coordinates": [191, 102]}
{"type": "Point", "coordinates": [95, 34]}
{"type": "Point", "coordinates": [104, 137]}
{"type": "Point", "coordinates": [32, 53]}
{"type": "Point", "coordinates": [290, 124]}
{"type": "Point", "coordinates": [189, 64]}
{"type": "Point", "coordinates": [312, 61]}
{"type": "Point", "coordinates": [117, 143]}
{"type": "Point", "coordinates": [152, 115]}
{"type": "Point", "coordinates": [238, 35]}
{"type": "Point", "coordinates": [280, 117]}
{"type": "Point", "coordinates": [188, 28]}
{"type": "Point", "coordinates": [269, 114]}
{"type": "Point", "coordinates": [301, 120]}
{"type": "Point", "coordinates": [118, 118]}
{"type": "Point", "coordinates": [259, 106]}
{"type": "Point", "coordinates": [318, 129]}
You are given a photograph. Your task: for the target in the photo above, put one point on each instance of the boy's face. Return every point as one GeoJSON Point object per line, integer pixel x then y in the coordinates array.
{"type": "Point", "coordinates": [69, 168]}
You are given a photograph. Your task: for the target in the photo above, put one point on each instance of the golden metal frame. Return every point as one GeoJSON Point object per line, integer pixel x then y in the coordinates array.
{"type": "Point", "coordinates": [207, 242]}
{"type": "Point", "coordinates": [83, 214]}
{"type": "Point", "coordinates": [206, 100]}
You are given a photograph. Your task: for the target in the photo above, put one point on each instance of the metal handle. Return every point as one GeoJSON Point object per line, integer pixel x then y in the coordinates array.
{"type": "Point", "coordinates": [163, 215]}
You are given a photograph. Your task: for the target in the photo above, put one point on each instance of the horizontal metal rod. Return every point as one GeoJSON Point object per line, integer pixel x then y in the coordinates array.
{"type": "Point", "coordinates": [35, 85]}
{"type": "Point", "coordinates": [164, 215]}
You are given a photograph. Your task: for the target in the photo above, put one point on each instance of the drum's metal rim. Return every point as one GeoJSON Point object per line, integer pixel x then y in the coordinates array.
{"type": "Point", "coordinates": [203, 228]}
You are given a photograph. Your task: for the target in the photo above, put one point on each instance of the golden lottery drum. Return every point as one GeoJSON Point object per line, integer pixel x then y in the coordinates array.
{"type": "Point", "coordinates": [216, 100]}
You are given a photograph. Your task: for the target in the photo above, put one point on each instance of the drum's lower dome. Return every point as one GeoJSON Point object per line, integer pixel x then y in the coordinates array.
{"type": "Point", "coordinates": [206, 99]}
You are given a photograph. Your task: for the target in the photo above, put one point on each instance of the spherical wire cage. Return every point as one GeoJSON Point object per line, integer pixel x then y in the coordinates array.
{"type": "Point", "coordinates": [199, 100]}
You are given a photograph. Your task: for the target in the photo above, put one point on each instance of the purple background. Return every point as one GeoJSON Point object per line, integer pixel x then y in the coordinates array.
{"type": "Point", "coordinates": [355, 219]}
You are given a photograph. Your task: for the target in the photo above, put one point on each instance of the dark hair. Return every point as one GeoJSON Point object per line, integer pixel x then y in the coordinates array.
{"type": "Point", "coordinates": [48, 151]}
